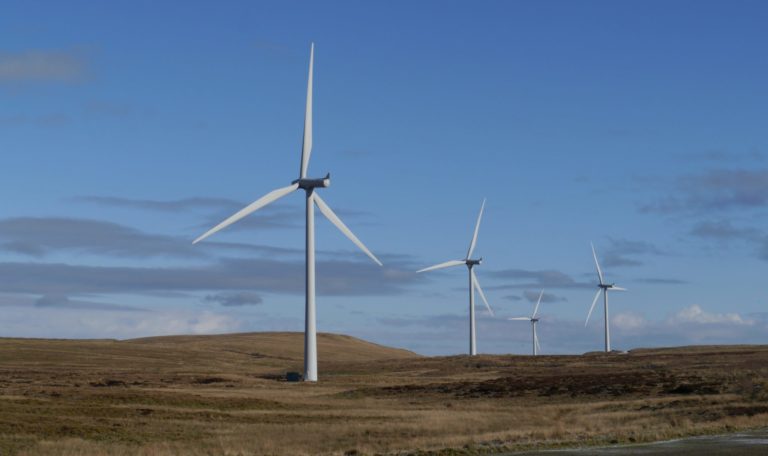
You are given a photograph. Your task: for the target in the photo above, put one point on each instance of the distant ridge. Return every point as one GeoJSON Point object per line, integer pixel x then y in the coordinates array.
{"type": "Point", "coordinates": [287, 345]}
{"type": "Point", "coordinates": [257, 352]}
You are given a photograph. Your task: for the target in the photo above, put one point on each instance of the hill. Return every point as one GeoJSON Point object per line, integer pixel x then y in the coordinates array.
{"type": "Point", "coordinates": [226, 394]}
{"type": "Point", "coordinates": [252, 353]}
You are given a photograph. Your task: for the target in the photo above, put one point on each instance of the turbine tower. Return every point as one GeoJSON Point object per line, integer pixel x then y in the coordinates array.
{"type": "Point", "coordinates": [312, 198]}
{"type": "Point", "coordinates": [603, 288]}
{"type": "Point", "coordinates": [533, 320]}
{"type": "Point", "coordinates": [473, 283]}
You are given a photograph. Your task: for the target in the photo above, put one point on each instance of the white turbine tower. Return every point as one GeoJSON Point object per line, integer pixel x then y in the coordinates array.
{"type": "Point", "coordinates": [603, 288]}
{"type": "Point", "coordinates": [473, 283]}
{"type": "Point", "coordinates": [533, 320]}
{"type": "Point", "coordinates": [309, 186]}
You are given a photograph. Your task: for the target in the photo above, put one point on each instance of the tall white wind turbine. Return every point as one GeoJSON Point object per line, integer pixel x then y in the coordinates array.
{"type": "Point", "coordinates": [603, 288]}
{"type": "Point", "coordinates": [473, 283]}
{"type": "Point", "coordinates": [533, 320]}
{"type": "Point", "coordinates": [312, 198]}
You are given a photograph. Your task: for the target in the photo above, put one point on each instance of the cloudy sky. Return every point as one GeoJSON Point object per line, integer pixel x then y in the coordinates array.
{"type": "Point", "coordinates": [129, 128]}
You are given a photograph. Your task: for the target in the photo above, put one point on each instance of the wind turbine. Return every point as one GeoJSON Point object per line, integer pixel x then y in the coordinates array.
{"type": "Point", "coordinates": [312, 198]}
{"type": "Point", "coordinates": [603, 288]}
{"type": "Point", "coordinates": [473, 283]}
{"type": "Point", "coordinates": [533, 320]}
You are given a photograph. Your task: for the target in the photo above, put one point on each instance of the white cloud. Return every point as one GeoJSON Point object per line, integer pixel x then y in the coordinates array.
{"type": "Point", "coordinates": [66, 323]}
{"type": "Point", "coordinates": [628, 321]}
{"type": "Point", "coordinates": [694, 314]}
{"type": "Point", "coordinates": [169, 323]}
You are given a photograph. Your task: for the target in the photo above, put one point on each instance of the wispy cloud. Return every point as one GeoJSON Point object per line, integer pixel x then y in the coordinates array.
{"type": "Point", "coordinates": [724, 156]}
{"type": "Point", "coordinates": [661, 281]}
{"type": "Point", "coordinates": [214, 210]}
{"type": "Point", "coordinates": [64, 302]}
{"type": "Point", "coordinates": [717, 202]}
{"type": "Point", "coordinates": [235, 299]}
{"type": "Point", "coordinates": [113, 109]}
{"type": "Point", "coordinates": [335, 277]}
{"type": "Point", "coordinates": [724, 230]}
{"type": "Point", "coordinates": [177, 205]}
{"type": "Point", "coordinates": [42, 66]}
{"type": "Point", "coordinates": [39, 236]}
{"type": "Point", "coordinates": [535, 279]}
{"type": "Point", "coordinates": [624, 252]}
{"type": "Point", "coordinates": [716, 190]}
{"type": "Point", "coordinates": [58, 322]}
{"type": "Point", "coordinates": [533, 296]}
{"type": "Point", "coordinates": [40, 120]}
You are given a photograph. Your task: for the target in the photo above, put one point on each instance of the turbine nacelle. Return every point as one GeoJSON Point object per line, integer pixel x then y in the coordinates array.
{"type": "Point", "coordinates": [310, 184]}
{"type": "Point", "coordinates": [471, 263]}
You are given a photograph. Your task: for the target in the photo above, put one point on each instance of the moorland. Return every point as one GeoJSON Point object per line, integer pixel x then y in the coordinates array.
{"type": "Point", "coordinates": [228, 395]}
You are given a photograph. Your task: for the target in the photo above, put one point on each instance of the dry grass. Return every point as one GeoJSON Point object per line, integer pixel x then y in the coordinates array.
{"type": "Point", "coordinates": [211, 395]}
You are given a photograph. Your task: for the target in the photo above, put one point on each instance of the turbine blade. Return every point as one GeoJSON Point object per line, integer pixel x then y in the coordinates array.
{"type": "Point", "coordinates": [618, 289]}
{"type": "Point", "coordinates": [536, 309]}
{"type": "Point", "coordinates": [330, 215]}
{"type": "Point", "coordinates": [520, 318]}
{"type": "Point", "coordinates": [593, 306]}
{"type": "Point", "coordinates": [480, 292]}
{"type": "Point", "coordinates": [447, 264]}
{"type": "Point", "coordinates": [306, 147]}
{"type": "Point", "coordinates": [536, 340]}
{"type": "Point", "coordinates": [254, 206]}
{"type": "Point", "coordinates": [477, 229]}
{"type": "Point", "coordinates": [597, 265]}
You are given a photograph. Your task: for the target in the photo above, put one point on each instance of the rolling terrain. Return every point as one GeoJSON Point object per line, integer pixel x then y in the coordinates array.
{"type": "Point", "coordinates": [226, 394]}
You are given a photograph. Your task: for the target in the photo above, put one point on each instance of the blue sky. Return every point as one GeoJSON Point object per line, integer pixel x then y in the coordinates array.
{"type": "Point", "coordinates": [129, 128]}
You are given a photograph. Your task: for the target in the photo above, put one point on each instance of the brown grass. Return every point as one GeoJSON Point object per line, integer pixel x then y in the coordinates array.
{"type": "Point", "coordinates": [206, 395]}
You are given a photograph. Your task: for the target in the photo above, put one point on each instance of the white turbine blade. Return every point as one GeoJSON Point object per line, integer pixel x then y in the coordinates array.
{"type": "Point", "coordinates": [330, 215]}
{"type": "Point", "coordinates": [536, 340]}
{"type": "Point", "coordinates": [477, 229]}
{"type": "Point", "coordinates": [536, 309]}
{"type": "Point", "coordinates": [480, 292]}
{"type": "Point", "coordinates": [597, 265]}
{"type": "Point", "coordinates": [520, 318]}
{"type": "Point", "coordinates": [618, 289]}
{"type": "Point", "coordinates": [447, 264]}
{"type": "Point", "coordinates": [593, 306]}
{"type": "Point", "coordinates": [254, 206]}
{"type": "Point", "coordinates": [306, 147]}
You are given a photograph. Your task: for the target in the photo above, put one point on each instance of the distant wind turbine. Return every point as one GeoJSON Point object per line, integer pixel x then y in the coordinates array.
{"type": "Point", "coordinates": [603, 288]}
{"type": "Point", "coordinates": [309, 186]}
{"type": "Point", "coordinates": [473, 283]}
{"type": "Point", "coordinates": [533, 320]}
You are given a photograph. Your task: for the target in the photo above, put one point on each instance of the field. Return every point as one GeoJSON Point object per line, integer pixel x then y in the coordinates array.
{"type": "Point", "coordinates": [210, 395]}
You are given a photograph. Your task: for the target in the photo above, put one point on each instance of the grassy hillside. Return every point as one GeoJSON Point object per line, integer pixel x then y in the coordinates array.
{"type": "Point", "coordinates": [248, 353]}
{"type": "Point", "coordinates": [225, 395]}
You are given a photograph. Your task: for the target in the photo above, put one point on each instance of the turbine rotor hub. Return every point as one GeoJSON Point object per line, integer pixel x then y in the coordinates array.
{"type": "Point", "coordinates": [471, 263]}
{"type": "Point", "coordinates": [311, 184]}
